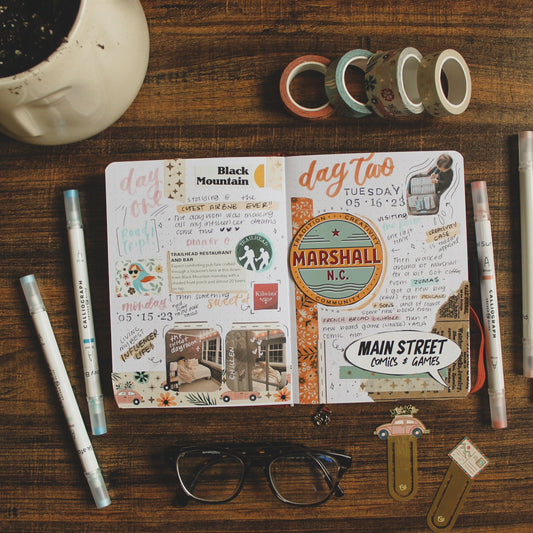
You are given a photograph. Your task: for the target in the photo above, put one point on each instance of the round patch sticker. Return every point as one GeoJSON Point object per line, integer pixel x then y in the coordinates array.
{"type": "Point", "coordinates": [254, 252]}
{"type": "Point", "coordinates": [336, 259]}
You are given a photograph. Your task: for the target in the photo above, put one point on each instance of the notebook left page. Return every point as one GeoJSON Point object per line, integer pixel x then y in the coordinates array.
{"type": "Point", "coordinates": [199, 297]}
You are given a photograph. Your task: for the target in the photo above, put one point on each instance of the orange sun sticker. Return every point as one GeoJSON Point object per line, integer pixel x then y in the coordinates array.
{"type": "Point", "coordinates": [336, 259]}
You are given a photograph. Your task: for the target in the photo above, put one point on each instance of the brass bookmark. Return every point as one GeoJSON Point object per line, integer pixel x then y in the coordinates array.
{"type": "Point", "coordinates": [467, 463]}
{"type": "Point", "coordinates": [402, 464]}
{"type": "Point", "coordinates": [402, 467]}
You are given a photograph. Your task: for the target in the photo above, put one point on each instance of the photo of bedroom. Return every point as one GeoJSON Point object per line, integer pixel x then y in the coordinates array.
{"type": "Point", "coordinates": [193, 360]}
{"type": "Point", "coordinates": [255, 360]}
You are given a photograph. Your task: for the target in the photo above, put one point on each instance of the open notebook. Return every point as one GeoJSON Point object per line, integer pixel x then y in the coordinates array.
{"type": "Point", "coordinates": [275, 280]}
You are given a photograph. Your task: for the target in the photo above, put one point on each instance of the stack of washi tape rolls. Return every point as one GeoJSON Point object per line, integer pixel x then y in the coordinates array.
{"type": "Point", "coordinates": [397, 83]}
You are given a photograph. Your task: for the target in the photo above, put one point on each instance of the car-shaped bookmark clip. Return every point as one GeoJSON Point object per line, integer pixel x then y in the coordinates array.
{"type": "Point", "coordinates": [402, 466]}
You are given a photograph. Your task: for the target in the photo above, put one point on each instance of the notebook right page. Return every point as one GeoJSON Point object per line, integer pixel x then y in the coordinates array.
{"type": "Point", "coordinates": [379, 263]}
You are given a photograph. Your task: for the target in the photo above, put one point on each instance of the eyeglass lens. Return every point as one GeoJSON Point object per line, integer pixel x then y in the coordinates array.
{"type": "Point", "coordinates": [304, 479]}
{"type": "Point", "coordinates": [210, 476]}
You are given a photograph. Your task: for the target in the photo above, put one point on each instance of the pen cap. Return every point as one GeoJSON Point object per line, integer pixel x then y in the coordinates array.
{"type": "Point", "coordinates": [72, 208]}
{"type": "Point", "coordinates": [525, 149]}
{"type": "Point", "coordinates": [528, 358]}
{"type": "Point", "coordinates": [98, 488]}
{"type": "Point", "coordinates": [97, 415]}
{"type": "Point", "coordinates": [498, 410]}
{"type": "Point", "coordinates": [32, 294]}
{"type": "Point", "coordinates": [480, 199]}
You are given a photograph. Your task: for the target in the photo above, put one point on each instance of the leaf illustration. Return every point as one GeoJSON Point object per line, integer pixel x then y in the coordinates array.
{"type": "Point", "coordinates": [201, 399]}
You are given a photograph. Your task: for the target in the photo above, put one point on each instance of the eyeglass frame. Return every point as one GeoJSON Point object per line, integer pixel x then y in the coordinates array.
{"type": "Point", "coordinates": [262, 455]}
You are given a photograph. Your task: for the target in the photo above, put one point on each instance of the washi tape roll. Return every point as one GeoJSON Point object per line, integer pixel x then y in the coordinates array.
{"type": "Point", "coordinates": [299, 65]}
{"type": "Point", "coordinates": [391, 82]}
{"type": "Point", "coordinates": [435, 99]}
{"type": "Point", "coordinates": [336, 90]}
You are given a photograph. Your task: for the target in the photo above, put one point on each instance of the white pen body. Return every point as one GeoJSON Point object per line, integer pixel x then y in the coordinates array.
{"type": "Point", "coordinates": [491, 317]}
{"type": "Point", "coordinates": [489, 303]}
{"type": "Point", "coordinates": [84, 312]}
{"type": "Point", "coordinates": [526, 227]}
{"type": "Point", "coordinates": [80, 278]}
{"type": "Point", "coordinates": [65, 392]}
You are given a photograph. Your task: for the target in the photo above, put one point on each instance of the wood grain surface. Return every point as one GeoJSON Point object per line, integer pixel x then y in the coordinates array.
{"type": "Point", "coordinates": [212, 90]}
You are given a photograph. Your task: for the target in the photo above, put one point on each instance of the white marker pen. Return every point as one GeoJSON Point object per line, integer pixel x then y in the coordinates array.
{"type": "Point", "coordinates": [65, 392]}
{"type": "Point", "coordinates": [82, 293]}
{"type": "Point", "coordinates": [525, 168]}
{"type": "Point", "coordinates": [489, 303]}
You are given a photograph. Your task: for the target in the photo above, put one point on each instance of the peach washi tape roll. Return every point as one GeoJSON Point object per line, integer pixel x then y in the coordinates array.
{"type": "Point", "coordinates": [391, 83]}
{"type": "Point", "coordinates": [434, 98]}
{"type": "Point", "coordinates": [299, 65]}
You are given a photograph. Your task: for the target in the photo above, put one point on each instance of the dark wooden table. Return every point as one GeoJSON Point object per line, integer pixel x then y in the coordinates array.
{"type": "Point", "coordinates": [212, 90]}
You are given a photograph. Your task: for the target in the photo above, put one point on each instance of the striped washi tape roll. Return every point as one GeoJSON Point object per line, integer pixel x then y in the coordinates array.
{"type": "Point", "coordinates": [435, 99]}
{"type": "Point", "coordinates": [336, 90]}
{"type": "Point", "coordinates": [299, 65]}
{"type": "Point", "coordinates": [391, 82]}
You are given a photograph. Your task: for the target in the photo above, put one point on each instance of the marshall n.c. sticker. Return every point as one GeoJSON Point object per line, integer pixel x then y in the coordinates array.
{"type": "Point", "coordinates": [336, 259]}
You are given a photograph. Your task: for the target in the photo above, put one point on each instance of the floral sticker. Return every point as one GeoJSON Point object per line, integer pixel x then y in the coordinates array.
{"type": "Point", "coordinates": [166, 399]}
{"type": "Point", "coordinates": [306, 318]}
{"type": "Point", "coordinates": [282, 395]}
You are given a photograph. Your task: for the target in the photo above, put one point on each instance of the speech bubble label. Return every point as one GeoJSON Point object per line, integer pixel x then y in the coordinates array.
{"type": "Point", "coordinates": [404, 352]}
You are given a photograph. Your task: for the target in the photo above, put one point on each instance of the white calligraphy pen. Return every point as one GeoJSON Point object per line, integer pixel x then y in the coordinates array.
{"type": "Point", "coordinates": [525, 167]}
{"type": "Point", "coordinates": [82, 294]}
{"type": "Point", "coordinates": [65, 392]}
{"type": "Point", "coordinates": [489, 303]}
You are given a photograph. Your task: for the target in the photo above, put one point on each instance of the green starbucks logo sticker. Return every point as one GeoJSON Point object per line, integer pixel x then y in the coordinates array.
{"type": "Point", "coordinates": [254, 253]}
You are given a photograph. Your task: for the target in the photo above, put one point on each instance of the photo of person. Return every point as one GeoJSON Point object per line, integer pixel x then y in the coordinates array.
{"type": "Point", "coordinates": [425, 189]}
{"type": "Point", "coordinates": [442, 173]}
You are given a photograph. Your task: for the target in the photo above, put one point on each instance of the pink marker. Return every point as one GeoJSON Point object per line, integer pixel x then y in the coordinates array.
{"type": "Point", "coordinates": [489, 303]}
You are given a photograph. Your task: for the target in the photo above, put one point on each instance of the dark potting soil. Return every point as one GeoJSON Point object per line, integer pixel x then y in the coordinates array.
{"type": "Point", "coordinates": [30, 30]}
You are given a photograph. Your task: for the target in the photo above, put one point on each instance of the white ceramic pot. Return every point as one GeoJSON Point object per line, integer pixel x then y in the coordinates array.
{"type": "Point", "coordinates": [86, 84]}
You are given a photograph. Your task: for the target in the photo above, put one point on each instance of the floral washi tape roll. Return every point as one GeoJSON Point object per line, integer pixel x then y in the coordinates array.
{"type": "Point", "coordinates": [336, 90]}
{"type": "Point", "coordinates": [299, 65]}
{"type": "Point", "coordinates": [434, 98]}
{"type": "Point", "coordinates": [391, 83]}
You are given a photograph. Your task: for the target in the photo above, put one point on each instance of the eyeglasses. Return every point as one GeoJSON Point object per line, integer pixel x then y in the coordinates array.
{"type": "Point", "coordinates": [296, 475]}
